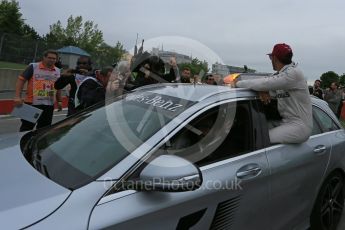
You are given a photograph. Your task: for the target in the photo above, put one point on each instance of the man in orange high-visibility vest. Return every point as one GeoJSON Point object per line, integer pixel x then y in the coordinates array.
{"type": "Point", "coordinates": [40, 92]}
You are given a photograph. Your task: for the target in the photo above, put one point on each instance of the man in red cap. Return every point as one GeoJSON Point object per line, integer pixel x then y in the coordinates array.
{"type": "Point", "coordinates": [291, 90]}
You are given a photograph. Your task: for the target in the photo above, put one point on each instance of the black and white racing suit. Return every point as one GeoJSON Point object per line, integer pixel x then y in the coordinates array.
{"type": "Point", "coordinates": [294, 104]}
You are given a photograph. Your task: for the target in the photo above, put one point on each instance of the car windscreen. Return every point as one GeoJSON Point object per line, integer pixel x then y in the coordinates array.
{"type": "Point", "coordinates": [83, 147]}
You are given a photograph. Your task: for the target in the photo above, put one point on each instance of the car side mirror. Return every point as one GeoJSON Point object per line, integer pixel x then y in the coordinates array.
{"type": "Point", "coordinates": [168, 173]}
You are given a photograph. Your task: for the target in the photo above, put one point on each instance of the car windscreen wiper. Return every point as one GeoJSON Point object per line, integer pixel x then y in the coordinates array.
{"type": "Point", "coordinates": [26, 144]}
{"type": "Point", "coordinates": [37, 164]}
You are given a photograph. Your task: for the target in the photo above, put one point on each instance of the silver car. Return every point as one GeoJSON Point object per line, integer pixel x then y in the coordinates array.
{"type": "Point", "coordinates": [173, 156]}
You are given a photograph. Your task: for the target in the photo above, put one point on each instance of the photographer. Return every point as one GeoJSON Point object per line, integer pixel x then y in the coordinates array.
{"type": "Point", "coordinates": [74, 77]}
{"type": "Point", "coordinates": [93, 89]}
{"type": "Point", "coordinates": [150, 69]}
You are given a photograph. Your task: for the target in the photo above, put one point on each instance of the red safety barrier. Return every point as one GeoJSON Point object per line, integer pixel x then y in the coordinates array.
{"type": "Point", "coordinates": [6, 106]}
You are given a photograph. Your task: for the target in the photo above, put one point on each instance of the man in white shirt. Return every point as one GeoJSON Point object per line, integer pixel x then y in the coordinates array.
{"type": "Point", "coordinates": [291, 90]}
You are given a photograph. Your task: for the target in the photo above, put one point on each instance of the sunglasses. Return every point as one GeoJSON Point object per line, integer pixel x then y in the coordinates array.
{"type": "Point", "coordinates": [82, 63]}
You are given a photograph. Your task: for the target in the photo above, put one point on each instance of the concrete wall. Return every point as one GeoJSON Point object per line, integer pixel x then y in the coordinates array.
{"type": "Point", "coordinates": [8, 78]}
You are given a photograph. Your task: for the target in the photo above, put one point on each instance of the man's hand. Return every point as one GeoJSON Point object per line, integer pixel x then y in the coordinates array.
{"type": "Point", "coordinates": [83, 71]}
{"type": "Point", "coordinates": [172, 62]}
{"type": "Point", "coordinates": [67, 72]}
{"type": "Point", "coordinates": [233, 83]}
{"type": "Point", "coordinates": [18, 101]}
{"type": "Point", "coordinates": [265, 97]}
{"type": "Point", "coordinates": [113, 85]}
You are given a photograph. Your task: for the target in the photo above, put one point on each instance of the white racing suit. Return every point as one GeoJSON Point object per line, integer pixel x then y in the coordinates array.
{"type": "Point", "coordinates": [294, 104]}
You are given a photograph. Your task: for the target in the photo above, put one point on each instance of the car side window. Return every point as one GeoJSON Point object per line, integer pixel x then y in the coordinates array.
{"type": "Point", "coordinates": [272, 116]}
{"type": "Point", "coordinates": [217, 134]}
{"type": "Point", "coordinates": [326, 122]}
{"type": "Point", "coordinates": [316, 127]}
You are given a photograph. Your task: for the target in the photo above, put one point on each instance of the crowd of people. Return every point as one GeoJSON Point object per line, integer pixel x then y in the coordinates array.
{"type": "Point", "coordinates": [333, 95]}
{"type": "Point", "coordinates": [88, 86]}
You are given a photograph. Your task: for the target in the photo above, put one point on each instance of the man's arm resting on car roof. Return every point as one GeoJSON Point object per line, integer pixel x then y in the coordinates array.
{"type": "Point", "coordinates": [282, 81]}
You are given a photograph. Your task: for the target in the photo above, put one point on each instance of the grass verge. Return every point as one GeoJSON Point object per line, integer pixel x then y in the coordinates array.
{"type": "Point", "coordinates": [11, 65]}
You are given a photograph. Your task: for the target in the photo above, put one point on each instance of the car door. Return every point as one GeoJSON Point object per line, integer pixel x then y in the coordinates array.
{"type": "Point", "coordinates": [297, 171]}
{"type": "Point", "coordinates": [336, 134]}
{"type": "Point", "coordinates": [234, 192]}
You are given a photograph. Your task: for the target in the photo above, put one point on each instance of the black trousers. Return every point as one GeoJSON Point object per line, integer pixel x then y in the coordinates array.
{"type": "Point", "coordinates": [45, 119]}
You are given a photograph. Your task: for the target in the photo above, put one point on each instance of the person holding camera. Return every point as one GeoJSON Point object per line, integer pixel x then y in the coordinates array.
{"type": "Point", "coordinates": [74, 77]}
{"type": "Point", "coordinates": [150, 69]}
{"type": "Point", "coordinates": [93, 89]}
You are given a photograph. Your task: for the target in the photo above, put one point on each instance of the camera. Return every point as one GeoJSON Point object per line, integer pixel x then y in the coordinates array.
{"type": "Point", "coordinates": [76, 71]}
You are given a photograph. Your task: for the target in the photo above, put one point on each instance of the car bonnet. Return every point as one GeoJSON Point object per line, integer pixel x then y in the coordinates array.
{"type": "Point", "coordinates": [26, 196]}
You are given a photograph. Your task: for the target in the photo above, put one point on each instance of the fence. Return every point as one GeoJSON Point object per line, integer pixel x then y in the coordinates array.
{"type": "Point", "coordinates": [18, 49]}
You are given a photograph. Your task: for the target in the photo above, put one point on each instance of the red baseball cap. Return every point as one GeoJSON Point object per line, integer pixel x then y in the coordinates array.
{"type": "Point", "coordinates": [281, 50]}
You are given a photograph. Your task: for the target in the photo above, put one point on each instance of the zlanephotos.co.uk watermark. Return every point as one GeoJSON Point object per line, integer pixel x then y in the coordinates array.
{"type": "Point", "coordinates": [161, 184]}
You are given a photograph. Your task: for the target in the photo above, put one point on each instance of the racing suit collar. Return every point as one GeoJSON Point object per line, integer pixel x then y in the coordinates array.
{"type": "Point", "coordinates": [287, 66]}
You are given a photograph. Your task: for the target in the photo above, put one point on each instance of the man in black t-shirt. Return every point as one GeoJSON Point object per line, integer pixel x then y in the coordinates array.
{"type": "Point", "coordinates": [92, 90]}
{"type": "Point", "coordinates": [74, 77]}
{"type": "Point", "coordinates": [150, 69]}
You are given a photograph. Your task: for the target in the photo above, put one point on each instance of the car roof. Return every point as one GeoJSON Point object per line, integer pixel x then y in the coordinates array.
{"type": "Point", "coordinates": [195, 92]}
{"type": "Point", "coordinates": [200, 92]}
{"type": "Point", "coordinates": [321, 103]}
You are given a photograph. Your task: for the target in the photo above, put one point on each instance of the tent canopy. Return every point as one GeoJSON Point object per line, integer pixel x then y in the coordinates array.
{"type": "Point", "coordinates": [73, 50]}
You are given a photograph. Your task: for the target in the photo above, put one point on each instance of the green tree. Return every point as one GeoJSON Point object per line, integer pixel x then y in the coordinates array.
{"type": "Point", "coordinates": [11, 21]}
{"type": "Point", "coordinates": [118, 52]}
{"type": "Point", "coordinates": [18, 40]}
{"type": "Point", "coordinates": [84, 35]}
{"type": "Point", "coordinates": [327, 79]}
{"type": "Point", "coordinates": [107, 55]}
{"type": "Point", "coordinates": [87, 36]}
{"type": "Point", "coordinates": [10, 17]}
{"type": "Point", "coordinates": [30, 33]}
